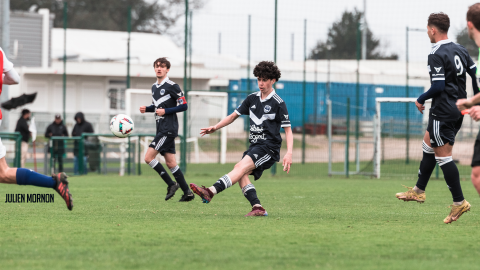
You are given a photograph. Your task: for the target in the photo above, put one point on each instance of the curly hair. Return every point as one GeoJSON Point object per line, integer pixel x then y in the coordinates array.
{"type": "Point", "coordinates": [439, 20]}
{"type": "Point", "coordinates": [267, 70]}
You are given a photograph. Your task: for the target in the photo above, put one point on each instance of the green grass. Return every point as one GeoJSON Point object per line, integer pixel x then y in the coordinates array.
{"type": "Point", "coordinates": [314, 222]}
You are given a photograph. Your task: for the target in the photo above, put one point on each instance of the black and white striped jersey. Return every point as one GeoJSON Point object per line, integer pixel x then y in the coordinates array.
{"type": "Point", "coordinates": [448, 61]}
{"type": "Point", "coordinates": [266, 118]}
{"type": "Point", "coordinates": [166, 95]}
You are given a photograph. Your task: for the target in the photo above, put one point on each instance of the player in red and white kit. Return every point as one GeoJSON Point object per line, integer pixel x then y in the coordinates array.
{"type": "Point", "coordinates": [21, 176]}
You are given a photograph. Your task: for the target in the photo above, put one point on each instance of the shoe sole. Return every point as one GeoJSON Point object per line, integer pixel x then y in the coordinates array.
{"type": "Point", "coordinates": [199, 193]}
{"type": "Point", "coordinates": [264, 215]}
{"type": "Point", "coordinates": [410, 200]}
{"type": "Point", "coordinates": [461, 213]}
{"type": "Point", "coordinates": [65, 182]}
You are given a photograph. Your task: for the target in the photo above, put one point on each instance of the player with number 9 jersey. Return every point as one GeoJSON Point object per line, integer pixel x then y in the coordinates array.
{"type": "Point", "coordinates": [449, 61]}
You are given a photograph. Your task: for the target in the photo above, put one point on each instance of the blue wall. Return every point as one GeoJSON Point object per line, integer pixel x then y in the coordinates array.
{"type": "Point", "coordinates": [292, 94]}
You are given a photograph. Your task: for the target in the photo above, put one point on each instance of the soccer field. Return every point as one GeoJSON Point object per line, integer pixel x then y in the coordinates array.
{"type": "Point", "coordinates": [324, 223]}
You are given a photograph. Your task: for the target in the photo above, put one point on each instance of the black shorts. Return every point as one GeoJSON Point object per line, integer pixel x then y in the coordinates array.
{"type": "Point", "coordinates": [443, 132]}
{"type": "Point", "coordinates": [476, 152]}
{"type": "Point", "coordinates": [163, 144]}
{"type": "Point", "coordinates": [263, 158]}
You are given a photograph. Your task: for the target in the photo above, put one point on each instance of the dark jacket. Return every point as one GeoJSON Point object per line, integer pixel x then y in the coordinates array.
{"type": "Point", "coordinates": [22, 127]}
{"type": "Point", "coordinates": [55, 129]}
{"type": "Point", "coordinates": [80, 128]}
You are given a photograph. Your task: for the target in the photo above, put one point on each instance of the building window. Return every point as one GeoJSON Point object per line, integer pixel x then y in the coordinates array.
{"type": "Point", "coordinates": [117, 98]}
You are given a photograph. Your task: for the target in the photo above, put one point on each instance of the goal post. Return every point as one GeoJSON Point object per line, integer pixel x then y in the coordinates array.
{"type": "Point", "coordinates": [403, 121]}
{"type": "Point", "coordinates": [203, 107]}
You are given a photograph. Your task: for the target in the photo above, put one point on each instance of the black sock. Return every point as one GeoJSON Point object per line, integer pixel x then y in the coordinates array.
{"type": "Point", "coordinates": [223, 183]}
{"type": "Point", "coordinates": [161, 171]}
{"type": "Point", "coordinates": [177, 173]}
{"type": "Point", "coordinates": [452, 177]}
{"type": "Point", "coordinates": [427, 165]}
{"type": "Point", "coordinates": [250, 193]}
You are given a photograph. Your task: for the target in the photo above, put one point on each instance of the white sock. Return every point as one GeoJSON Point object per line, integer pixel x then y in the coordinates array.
{"type": "Point", "coordinates": [419, 191]}
{"type": "Point", "coordinates": [457, 203]}
{"type": "Point", "coordinates": [213, 190]}
{"type": "Point", "coordinates": [257, 205]}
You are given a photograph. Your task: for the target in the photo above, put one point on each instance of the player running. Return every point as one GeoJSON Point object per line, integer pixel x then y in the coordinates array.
{"type": "Point", "coordinates": [448, 64]}
{"type": "Point", "coordinates": [21, 176]}
{"type": "Point", "coordinates": [268, 113]}
{"type": "Point", "coordinates": [166, 94]}
{"type": "Point", "coordinates": [473, 26]}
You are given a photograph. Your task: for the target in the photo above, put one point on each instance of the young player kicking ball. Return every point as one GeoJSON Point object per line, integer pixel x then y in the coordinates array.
{"type": "Point", "coordinates": [448, 64]}
{"type": "Point", "coordinates": [268, 113]}
{"type": "Point", "coordinates": [21, 176]}
{"type": "Point", "coordinates": [166, 94]}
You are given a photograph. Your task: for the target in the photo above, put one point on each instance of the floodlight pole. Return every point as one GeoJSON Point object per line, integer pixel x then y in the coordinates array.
{"type": "Point", "coordinates": [304, 87]}
{"type": "Point", "coordinates": [274, 167]}
{"type": "Point", "coordinates": [357, 101]}
{"type": "Point", "coordinates": [64, 58]}
{"type": "Point", "coordinates": [129, 30]}
{"type": "Point", "coordinates": [183, 146]}
{"type": "Point", "coordinates": [407, 136]}
{"type": "Point", "coordinates": [249, 84]}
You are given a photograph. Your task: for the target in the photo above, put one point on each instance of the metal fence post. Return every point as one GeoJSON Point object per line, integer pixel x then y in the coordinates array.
{"type": "Point", "coordinates": [347, 143]}
{"type": "Point", "coordinates": [81, 155]}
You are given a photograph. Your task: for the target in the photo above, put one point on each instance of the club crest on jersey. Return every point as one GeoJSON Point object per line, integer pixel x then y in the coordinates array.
{"type": "Point", "coordinates": [438, 69]}
{"type": "Point", "coordinates": [162, 92]}
{"type": "Point", "coordinates": [267, 108]}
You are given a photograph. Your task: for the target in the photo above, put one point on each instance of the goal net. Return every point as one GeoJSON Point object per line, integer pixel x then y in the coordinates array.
{"type": "Point", "coordinates": [400, 128]}
{"type": "Point", "coordinates": [205, 108]}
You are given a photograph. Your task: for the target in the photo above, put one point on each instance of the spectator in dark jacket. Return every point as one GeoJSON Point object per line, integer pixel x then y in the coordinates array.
{"type": "Point", "coordinates": [22, 127]}
{"type": "Point", "coordinates": [57, 129]}
{"type": "Point", "coordinates": [82, 126]}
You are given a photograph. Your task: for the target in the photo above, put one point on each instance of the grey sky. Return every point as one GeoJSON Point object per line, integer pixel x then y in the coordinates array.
{"type": "Point", "coordinates": [387, 19]}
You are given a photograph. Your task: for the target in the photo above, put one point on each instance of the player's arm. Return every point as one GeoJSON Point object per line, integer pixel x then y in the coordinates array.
{"type": "Point", "coordinates": [9, 74]}
{"type": "Point", "coordinates": [437, 70]}
{"type": "Point", "coordinates": [283, 117]}
{"type": "Point", "coordinates": [11, 77]}
{"type": "Point", "coordinates": [223, 123]}
{"type": "Point", "coordinates": [463, 104]}
{"type": "Point", "coordinates": [181, 101]}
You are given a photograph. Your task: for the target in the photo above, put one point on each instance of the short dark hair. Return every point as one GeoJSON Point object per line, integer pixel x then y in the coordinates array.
{"type": "Point", "coordinates": [25, 111]}
{"type": "Point", "coordinates": [162, 61]}
{"type": "Point", "coordinates": [439, 20]}
{"type": "Point", "coordinates": [473, 15]}
{"type": "Point", "coordinates": [267, 70]}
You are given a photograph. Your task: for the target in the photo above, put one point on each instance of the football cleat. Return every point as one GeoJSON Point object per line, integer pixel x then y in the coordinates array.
{"type": "Point", "coordinates": [187, 197]}
{"type": "Point", "coordinates": [203, 192]}
{"type": "Point", "coordinates": [257, 211]}
{"type": "Point", "coordinates": [171, 191]}
{"type": "Point", "coordinates": [457, 211]}
{"type": "Point", "coordinates": [62, 188]}
{"type": "Point", "coordinates": [411, 195]}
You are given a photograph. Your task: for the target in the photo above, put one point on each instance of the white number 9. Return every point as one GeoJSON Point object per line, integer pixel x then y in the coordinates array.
{"type": "Point", "coordinates": [458, 64]}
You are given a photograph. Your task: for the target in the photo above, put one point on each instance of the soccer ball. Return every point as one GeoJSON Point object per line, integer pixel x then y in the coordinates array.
{"type": "Point", "coordinates": [121, 125]}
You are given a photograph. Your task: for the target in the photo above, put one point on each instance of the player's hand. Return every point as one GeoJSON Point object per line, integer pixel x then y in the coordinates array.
{"type": "Point", "coordinates": [475, 113]}
{"type": "Point", "coordinates": [160, 112]}
{"type": "Point", "coordinates": [143, 109]}
{"type": "Point", "coordinates": [463, 104]}
{"type": "Point", "coordinates": [420, 107]}
{"type": "Point", "coordinates": [287, 162]}
{"type": "Point", "coordinates": [209, 130]}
